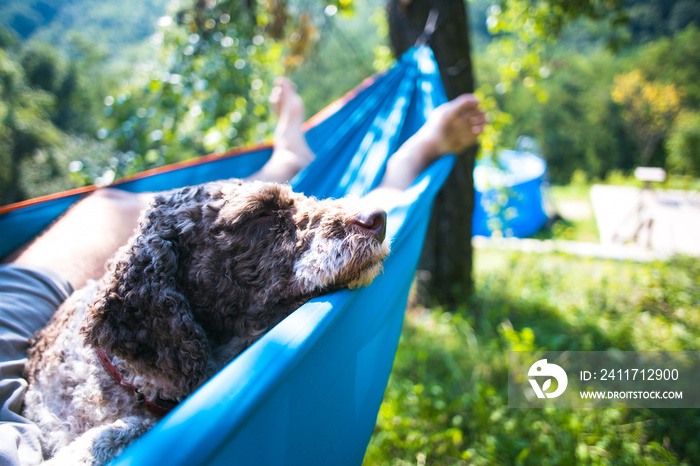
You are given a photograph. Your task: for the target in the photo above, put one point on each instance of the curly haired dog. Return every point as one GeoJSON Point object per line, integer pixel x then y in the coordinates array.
{"type": "Point", "coordinates": [210, 269]}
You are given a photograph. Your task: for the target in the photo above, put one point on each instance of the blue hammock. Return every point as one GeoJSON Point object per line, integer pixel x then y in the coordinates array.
{"type": "Point", "coordinates": [308, 392]}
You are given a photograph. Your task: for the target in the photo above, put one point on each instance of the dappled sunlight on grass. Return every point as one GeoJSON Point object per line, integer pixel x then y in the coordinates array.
{"type": "Point", "coordinates": [447, 398]}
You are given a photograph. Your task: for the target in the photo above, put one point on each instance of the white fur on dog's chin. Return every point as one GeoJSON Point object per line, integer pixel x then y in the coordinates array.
{"type": "Point", "coordinates": [318, 267]}
{"type": "Point", "coordinates": [370, 274]}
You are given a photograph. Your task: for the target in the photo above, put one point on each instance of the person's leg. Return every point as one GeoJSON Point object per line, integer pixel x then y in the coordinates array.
{"type": "Point", "coordinates": [291, 153]}
{"type": "Point", "coordinates": [78, 245]}
{"type": "Point", "coordinates": [28, 298]}
{"type": "Point", "coordinates": [451, 128]}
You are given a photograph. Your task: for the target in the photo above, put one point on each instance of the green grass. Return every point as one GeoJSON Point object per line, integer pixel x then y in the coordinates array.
{"type": "Point", "coordinates": [446, 402]}
{"type": "Point", "coordinates": [571, 192]}
{"type": "Point", "coordinates": [571, 230]}
{"type": "Point", "coordinates": [578, 229]}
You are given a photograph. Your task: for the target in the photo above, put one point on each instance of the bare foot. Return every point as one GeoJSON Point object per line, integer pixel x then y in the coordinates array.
{"type": "Point", "coordinates": [450, 128]}
{"type": "Point", "coordinates": [290, 146]}
{"type": "Point", "coordinates": [453, 126]}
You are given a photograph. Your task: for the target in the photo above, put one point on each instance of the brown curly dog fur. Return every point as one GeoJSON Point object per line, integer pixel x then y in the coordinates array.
{"type": "Point", "coordinates": [211, 268]}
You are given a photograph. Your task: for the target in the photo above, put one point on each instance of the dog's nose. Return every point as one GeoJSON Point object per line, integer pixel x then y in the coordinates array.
{"type": "Point", "coordinates": [374, 222]}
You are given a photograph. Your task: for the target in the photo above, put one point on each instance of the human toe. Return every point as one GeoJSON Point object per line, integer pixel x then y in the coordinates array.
{"type": "Point", "coordinates": [465, 103]}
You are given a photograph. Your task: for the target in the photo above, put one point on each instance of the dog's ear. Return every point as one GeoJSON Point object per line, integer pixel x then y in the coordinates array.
{"type": "Point", "coordinates": [140, 315]}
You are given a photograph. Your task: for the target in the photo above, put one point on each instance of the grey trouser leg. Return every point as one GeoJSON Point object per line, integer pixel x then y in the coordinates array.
{"type": "Point", "coordinates": [28, 298]}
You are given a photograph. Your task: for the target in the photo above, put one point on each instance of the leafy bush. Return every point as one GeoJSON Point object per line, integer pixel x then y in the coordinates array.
{"type": "Point", "coordinates": [683, 145]}
{"type": "Point", "coordinates": [578, 125]}
{"type": "Point", "coordinates": [446, 402]}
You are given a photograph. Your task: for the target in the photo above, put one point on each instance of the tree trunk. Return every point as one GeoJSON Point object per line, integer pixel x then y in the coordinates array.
{"type": "Point", "coordinates": [447, 254]}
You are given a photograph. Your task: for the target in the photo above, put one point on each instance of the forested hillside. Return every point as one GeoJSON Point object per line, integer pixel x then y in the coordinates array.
{"type": "Point", "coordinates": [112, 25]}
{"type": "Point", "coordinates": [59, 59]}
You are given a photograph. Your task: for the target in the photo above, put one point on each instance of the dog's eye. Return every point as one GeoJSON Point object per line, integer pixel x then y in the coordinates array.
{"type": "Point", "coordinates": [264, 219]}
{"type": "Point", "coordinates": [265, 216]}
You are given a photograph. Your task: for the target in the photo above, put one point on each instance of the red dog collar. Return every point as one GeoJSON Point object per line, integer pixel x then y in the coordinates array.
{"type": "Point", "coordinates": [157, 407]}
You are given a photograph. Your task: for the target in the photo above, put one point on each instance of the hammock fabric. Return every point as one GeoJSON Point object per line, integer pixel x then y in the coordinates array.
{"type": "Point", "coordinates": [308, 392]}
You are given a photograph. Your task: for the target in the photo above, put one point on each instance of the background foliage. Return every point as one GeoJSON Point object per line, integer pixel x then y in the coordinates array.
{"type": "Point", "coordinates": [561, 92]}
{"type": "Point", "coordinates": [130, 86]}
